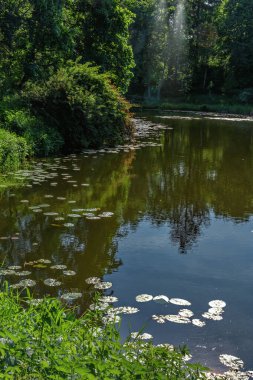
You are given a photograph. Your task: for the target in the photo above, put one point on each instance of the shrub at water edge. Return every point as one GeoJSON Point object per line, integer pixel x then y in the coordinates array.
{"type": "Point", "coordinates": [13, 151]}
{"type": "Point", "coordinates": [82, 105]}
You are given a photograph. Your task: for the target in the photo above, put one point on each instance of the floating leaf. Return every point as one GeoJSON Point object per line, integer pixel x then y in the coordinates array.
{"type": "Point", "coordinates": [69, 273]}
{"type": "Point", "coordinates": [59, 267]}
{"type": "Point", "coordinates": [198, 323]}
{"type": "Point", "coordinates": [231, 361]}
{"type": "Point", "coordinates": [145, 336]}
{"type": "Point", "coordinates": [52, 282]}
{"type": "Point", "coordinates": [180, 302]}
{"type": "Point", "coordinates": [161, 299]}
{"type": "Point", "coordinates": [92, 280]}
{"type": "Point", "coordinates": [71, 296]}
{"type": "Point", "coordinates": [103, 285]}
{"type": "Point", "coordinates": [217, 303]}
{"type": "Point", "coordinates": [144, 298]}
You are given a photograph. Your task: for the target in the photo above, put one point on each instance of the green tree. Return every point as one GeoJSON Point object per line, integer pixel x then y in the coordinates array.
{"type": "Point", "coordinates": [103, 37]}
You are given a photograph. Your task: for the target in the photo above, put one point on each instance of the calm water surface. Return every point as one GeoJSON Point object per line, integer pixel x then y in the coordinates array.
{"type": "Point", "coordinates": [182, 227]}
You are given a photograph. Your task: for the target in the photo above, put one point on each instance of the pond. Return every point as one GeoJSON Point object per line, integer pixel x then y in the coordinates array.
{"type": "Point", "coordinates": [169, 215]}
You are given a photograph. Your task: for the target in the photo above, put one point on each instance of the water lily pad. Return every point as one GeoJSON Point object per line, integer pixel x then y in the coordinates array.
{"type": "Point", "coordinates": [69, 273]}
{"type": "Point", "coordinates": [161, 299]}
{"type": "Point", "coordinates": [145, 336]}
{"type": "Point", "coordinates": [231, 361]}
{"type": "Point", "coordinates": [217, 303]}
{"type": "Point", "coordinates": [69, 225]}
{"type": "Point", "coordinates": [198, 323]}
{"type": "Point", "coordinates": [103, 285]}
{"type": "Point", "coordinates": [23, 273]}
{"type": "Point", "coordinates": [59, 267]}
{"type": "Point", "coordinates": [71, 296]}
{"type": "Point", "coordinates": [92, 280]}
{"type": "Point", "coordinates": [52, 282]}
{"type": "Point", "coordinates": [144, 298]}
{"type": "Point", "coordinates": [26, 283]}
{"type": "Point", "coordinates": [15, 267]}
{"type": "Point", "coordinates": [44, 261]}
{"type": "Point", "coordinates": [109, 299]}
{"type": "Point", "coordinates": [159, 318]}
{"type": "Point", "coordinates": [7, 272]}
{"type": "Point", "coordinates": [74, 216]}
{"type": "Point", "coordinates": [186, 313]}
{"type": "Point", "coordinates": [111, 319]}
{"type": "Point", "coordinates": [177, 319]}
{"type": "Point", "coordinates": [123, 310]}
{"type": "Point", "coordinates": [180, 302]}
{"type": "Point", "coordinates": [212, 317]}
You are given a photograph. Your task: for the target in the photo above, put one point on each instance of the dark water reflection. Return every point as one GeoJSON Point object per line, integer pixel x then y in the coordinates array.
{"type": "Point", "coordinates": [182, 227]}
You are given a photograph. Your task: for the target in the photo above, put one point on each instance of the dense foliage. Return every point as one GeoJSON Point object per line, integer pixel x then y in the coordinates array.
{"type": "Point", "coordinates": [64, 65]}
{"type": "Point", "coordinates": [44, 340]}
{"type": "Point", "coordinates": [54, 104]}
{"type": "Point", "coordinates": [13, 151]}
{"type": "Point", "coordinates": [193, 46]}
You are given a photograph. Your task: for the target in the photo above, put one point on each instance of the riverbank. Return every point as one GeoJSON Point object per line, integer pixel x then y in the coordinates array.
{"type": "Point", "coordinates": [43, 339]}
{"type": "Point", "coordinates": [195, 103]}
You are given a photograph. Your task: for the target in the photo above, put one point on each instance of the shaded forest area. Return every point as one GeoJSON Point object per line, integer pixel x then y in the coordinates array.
{"type": "Point", "coordinates": [67, 66]}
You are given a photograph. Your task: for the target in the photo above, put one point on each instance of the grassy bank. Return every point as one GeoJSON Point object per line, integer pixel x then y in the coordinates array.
{"type": "Point", "coordinates": [45, 340]}
{"type": "Point", "coordinates": [197, 103]}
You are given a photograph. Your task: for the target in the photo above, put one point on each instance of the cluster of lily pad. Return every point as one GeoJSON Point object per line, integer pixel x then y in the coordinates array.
{"type": "Point", "coordinates": [16, 271]}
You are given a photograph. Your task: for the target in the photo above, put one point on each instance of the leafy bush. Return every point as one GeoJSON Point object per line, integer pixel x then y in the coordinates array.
{"type": "Point", "coordinates": [44, 340]}
{"type": "Point", "coordinates": [13, 151]}
{"type": "Point", "coordinates": [82, 105]}
{"type": "Point", "coordinates": [41, 139]}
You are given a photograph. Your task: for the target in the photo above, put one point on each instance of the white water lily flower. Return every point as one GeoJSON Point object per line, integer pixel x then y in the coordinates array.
{"type": "Point", "coordinates": [159, 318]}
{"type": "Point", "coordinates": [186, 313]}
{"type": "Point", "coordinates": [177, 319]}
{"type": "Point", "coordinates": [231, 361]}
{"type": "Point", "coordinates": [103, 285]}
{"type": "Point", "coordinates": [180, 302]}
{"type": "Point", "coordinates": [161, 299]}
{"type": "Point", "coordinates": [144, 298]}
{"type": "Point", "coordinates": [198, 323]}
{"type": "Point", "coordinates": [145, 336]}
{"type": "Point", "coordinates": [217, 303]}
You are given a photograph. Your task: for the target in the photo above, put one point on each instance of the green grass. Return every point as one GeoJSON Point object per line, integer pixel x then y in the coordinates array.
{"type": "Point", "coordinates": [48, 341]}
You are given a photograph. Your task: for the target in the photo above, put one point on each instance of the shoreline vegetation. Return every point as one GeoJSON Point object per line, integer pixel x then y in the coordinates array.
{"type": "Point", "coordinates": [194, 103]}
{"type": "Point", "coordinates": [43, 339]}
